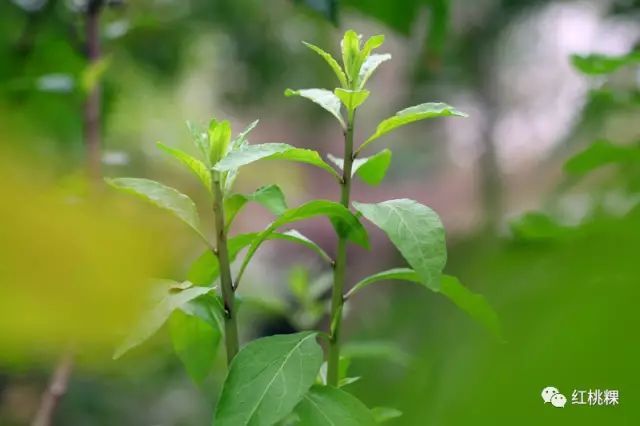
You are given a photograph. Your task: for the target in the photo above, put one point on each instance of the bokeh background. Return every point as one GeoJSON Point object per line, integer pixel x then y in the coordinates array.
{"type": "Point", "coordinates": [554, 248]}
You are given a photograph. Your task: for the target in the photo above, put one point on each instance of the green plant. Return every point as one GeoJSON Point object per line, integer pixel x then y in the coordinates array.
{"type": "Point", "coordinates": [282, 379]}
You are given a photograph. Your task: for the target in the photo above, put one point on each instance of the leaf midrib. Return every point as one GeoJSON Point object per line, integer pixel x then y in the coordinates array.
{"type": "Point", "coordinates": [253, 411]}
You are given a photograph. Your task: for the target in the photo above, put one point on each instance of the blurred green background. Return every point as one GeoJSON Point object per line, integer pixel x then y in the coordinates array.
{"type": "Point", "coordinates": [554, 247]}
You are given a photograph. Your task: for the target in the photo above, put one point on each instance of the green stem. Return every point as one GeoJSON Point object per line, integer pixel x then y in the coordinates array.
{"type": "Point", "coordinates": [226, 283]}
{"type": "Point", "coordinates": [337, 300]}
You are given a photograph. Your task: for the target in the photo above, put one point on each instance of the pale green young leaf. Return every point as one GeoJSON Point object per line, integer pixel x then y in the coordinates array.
{"type": "Point", "coordinates": [267, 379]}
{"type": "Point", "coordinates": [195, 342]}
{"type": "Point", "coordinates": [331, 61]}
{"type": "Point", "coordinates": [350, 46]}
{"type": "Point", "coordinates": [415, 230]}
{"type": "Point", "coordinates": [270, 197]}
{"type": "Point", "coordinates": [219, 139]}
{"type": "Point", "coordinates": [195, 165]}
{"type": "Point", "coordinates": [410, 115]}
{"type": "Point", "coordinates": [175, 295]}
{"type": "Point", "coordinates": [328, 406]}
{"type": "Point", "coordinates": [340, 216]}
{"type": "Point", "coordinates": [325, 98]}
{"type": "Point", "coordinates": [369, 66]}
{"type": "Point", "coordinates": [236, 144]}
{"type": "Point", "coordinates": [162, 196]}
{"type": "Point", "coordinates": [371, 170]}
{"type": "Point", "coordinates": [200, 140]}
{"type": "Point", "coordinates": [272, 151]}
{"type": "Point", "coordinates": [352, 99]}
{"type": "Point", "coordinates": [384, 414]}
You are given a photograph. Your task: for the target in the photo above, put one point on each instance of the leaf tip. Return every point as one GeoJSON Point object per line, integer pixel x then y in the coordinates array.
{"type": "Point", "coordinates": [290, 92]}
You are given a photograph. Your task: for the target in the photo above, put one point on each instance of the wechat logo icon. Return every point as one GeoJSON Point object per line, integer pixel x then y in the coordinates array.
{"type": "Point", "coordinates": [553, 395]}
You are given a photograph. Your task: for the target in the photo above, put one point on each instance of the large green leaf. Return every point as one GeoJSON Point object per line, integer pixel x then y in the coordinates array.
{"type": "Point", "coordinates": [371, 170]}
{"type": "Point", "coordinates": [325, 98]}
{"type": "Point", "coordinates": [328, 406]}
{"type": "Point", "coordinates": [162, 196]}
{"type": "Point", "coordinates": [267, 379]}
{"type": "Point", "coordinates": [176, 295]}
{"type": "Point", "coordinates": [195, 341]}
{"type": "Point", "coordinates": [416, 231]}
{"type": "Point", "coordinates": [195, 165]}
{"type": "Point", "coordinates": [599, 154]}
{"type": "Point", "coordinates": [331, 61]}
{"type": "Point", "coordinates": [410, 115]}
{"type": "Point", "coordinates": [369, 66]}
{"type": "Point", "coordinates": [205, 269]}
{"type": "Point", "coordinates": [270, 196]}
{"type": "Point", "coordinates": [352, 99]}
{"type": "Point", "coordinates": [339, 215]}
{"type": "Point", "coordinates": [473, 304]}
{"type": "Point", "coordinates": [272, 151]}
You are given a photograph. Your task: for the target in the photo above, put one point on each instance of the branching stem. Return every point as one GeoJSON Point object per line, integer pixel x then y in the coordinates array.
{"type": "Point", "coordinates": [226, 282]}
{"type": "Point", "coordinates": [337, 300]}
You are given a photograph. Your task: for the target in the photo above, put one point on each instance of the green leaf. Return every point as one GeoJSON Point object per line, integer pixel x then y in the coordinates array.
{"type": "Point", "coordinates": [473, 304]}
{"type": "Point", "coordinates": [267, 379]}
{"type": "Point", "coordinates": [369, 66]}
{"type": "Point", "coordinates": [371, 170]}
{"type": "Point", "coordinates": [162, 196]}
{"type": "Point", "coordinates": [597, 64]}
{"type": "Point", "coordinates": [272, 151]}
{"type": "Point", "coordinates": [175, 296]}
{"type": "Point", "coordinates": [384, 414]}
{"type": "Point", "coordinates": [195, 165]}
{"type": "Point", "coordinates": [328, 406]}
{"type": "Point", "coordinates": [599, 154]}
{"type": "Point", "coordinates": [331, 61]}
{"type": "Point", "coordinates": [352, 99]}
{"type": "Point", "coordinates": [195, 342]}
{"type": "Point", "coordinates": [270, 196]}
{"type": "Point", "coordinates": [410, 115]}
{"type": "Point", "coordinates": [296, 237]}
{"type": "Point", "coordinates": [415, 230]}
{"type": "Point", "coordinates": [325, 98]}
{"type": "Point", "coordinates": [350, 46]}
{"type": "Point", "coordinates": [219, 139]}
{"type": "Point", "coordinates": [339, 215]}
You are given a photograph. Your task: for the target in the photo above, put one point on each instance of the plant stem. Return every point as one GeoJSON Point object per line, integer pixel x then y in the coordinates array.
{"type": "Point", "coordinates": [226, 283]}
{"type": "Point", "coordinates": [337, 300]}
{"type": "Point", "coordinates": [55, 391]}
